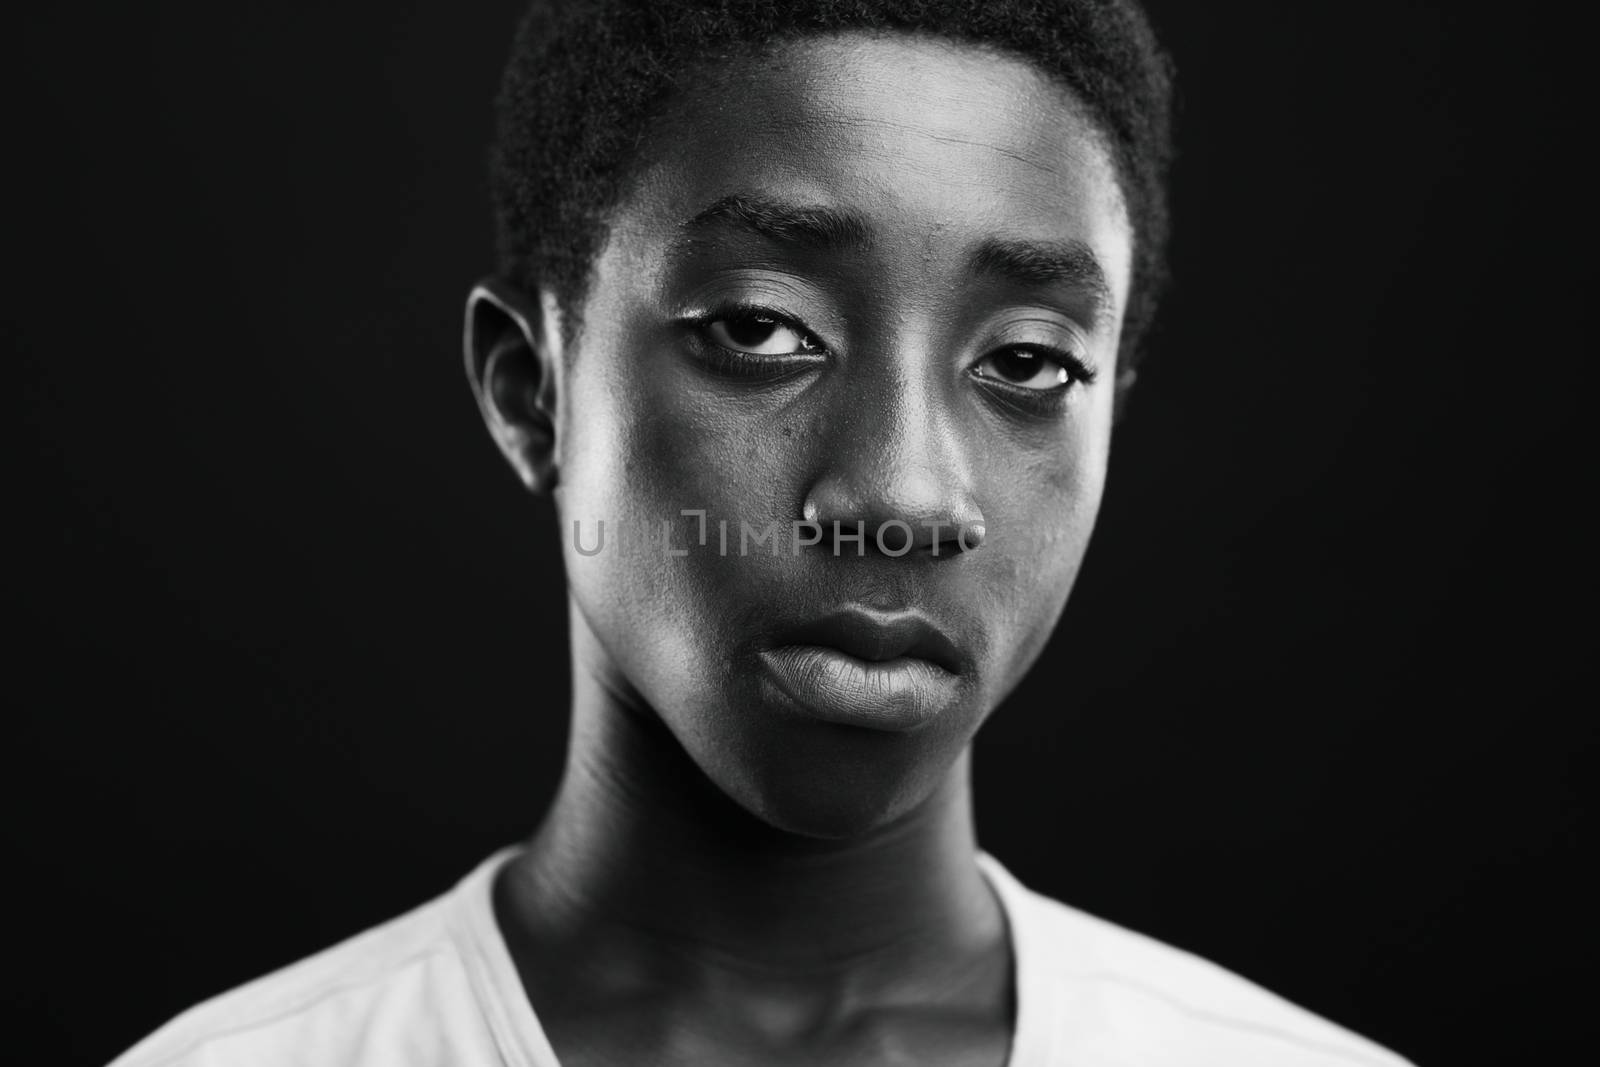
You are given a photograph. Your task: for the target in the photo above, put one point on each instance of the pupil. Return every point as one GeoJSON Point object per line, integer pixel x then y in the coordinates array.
{"type": "Point", "coordinates": [1017, 366]}
{"type": "Point", "coordinates": [751, 332]}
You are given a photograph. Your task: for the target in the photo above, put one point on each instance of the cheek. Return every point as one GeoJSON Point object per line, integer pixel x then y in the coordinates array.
{"type": "Point", "coordinates": [642, 447]}
{"type": "Point", "coordinates": [1043, 504]}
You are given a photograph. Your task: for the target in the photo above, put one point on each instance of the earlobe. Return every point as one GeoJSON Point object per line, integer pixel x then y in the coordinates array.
{"type": "Point", "coordinates": [512, 363]}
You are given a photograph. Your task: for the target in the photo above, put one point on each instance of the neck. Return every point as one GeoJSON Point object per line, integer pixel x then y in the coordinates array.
{"type": "Point", "coordinates": [639, 842]}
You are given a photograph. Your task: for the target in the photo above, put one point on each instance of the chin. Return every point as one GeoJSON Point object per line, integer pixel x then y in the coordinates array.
{"type": "Point", "coordinates": [846, 783]}
{"type": "Point", "coordinates": [826, 818]}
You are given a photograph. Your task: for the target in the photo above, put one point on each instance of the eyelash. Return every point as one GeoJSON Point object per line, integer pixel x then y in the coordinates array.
{"type": "Point", "coordinates": [735, 364]}
{"type": "Point", "coordinates": [1040, 401]}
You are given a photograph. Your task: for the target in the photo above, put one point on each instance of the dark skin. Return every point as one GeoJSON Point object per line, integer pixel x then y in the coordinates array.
{"type": "Point", "coordinates": [863, 279]}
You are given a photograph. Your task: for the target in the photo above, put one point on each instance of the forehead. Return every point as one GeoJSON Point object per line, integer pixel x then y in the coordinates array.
{"type": "Point", "coordinates": [935, 144]}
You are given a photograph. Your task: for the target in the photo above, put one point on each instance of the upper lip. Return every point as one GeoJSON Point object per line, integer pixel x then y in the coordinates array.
{"type": "Point", "coordinates": [878, 635]}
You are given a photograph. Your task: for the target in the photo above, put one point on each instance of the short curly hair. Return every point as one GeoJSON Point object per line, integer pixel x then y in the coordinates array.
{"type": "Point", "coordinates": [586, 77]}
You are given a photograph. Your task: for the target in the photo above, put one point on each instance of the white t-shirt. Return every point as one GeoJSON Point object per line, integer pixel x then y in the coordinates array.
{"type": "Point", "coordinates": [437, 987]}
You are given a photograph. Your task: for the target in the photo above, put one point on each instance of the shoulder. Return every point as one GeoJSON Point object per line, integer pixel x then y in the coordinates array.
{"type": "Point", "coordinates": [398, 994]}
{"type": "Point", "coordinates": [1117, 996]}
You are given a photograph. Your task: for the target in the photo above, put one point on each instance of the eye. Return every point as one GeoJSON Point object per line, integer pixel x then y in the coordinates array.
{"type": "Point", "coordinates": [1032, 369]}
{"type": "Point", "coordinates": [759, 334]}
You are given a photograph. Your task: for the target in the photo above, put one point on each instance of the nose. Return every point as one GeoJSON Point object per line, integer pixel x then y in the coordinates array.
{"type": "Point", "coordinates": [897, 479]}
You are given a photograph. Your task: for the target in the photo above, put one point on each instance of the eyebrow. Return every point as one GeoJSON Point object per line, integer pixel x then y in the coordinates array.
{"type": "Point", "coordinates": [828, 229]}
{"type": "Point", "coordinates": [1041, 263]}
{"type": "Point", "coordinates": [823, 229]}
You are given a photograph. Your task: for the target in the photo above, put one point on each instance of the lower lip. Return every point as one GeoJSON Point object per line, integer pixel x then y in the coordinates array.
{"type": "Point", "coordinates": [898, 695]}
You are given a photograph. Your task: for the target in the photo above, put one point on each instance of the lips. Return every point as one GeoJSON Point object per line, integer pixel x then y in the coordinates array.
{"type": "Point", "coordinates": [877, 637]}
{"type": "Point", "coordinates": [856, 667]}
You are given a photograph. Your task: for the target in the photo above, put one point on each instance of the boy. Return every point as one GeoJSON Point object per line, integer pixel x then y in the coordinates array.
{"type": "Point", "coordinates": [813, 321]}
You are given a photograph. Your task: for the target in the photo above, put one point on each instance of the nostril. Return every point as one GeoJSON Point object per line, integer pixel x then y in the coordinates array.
{"type": "Point", "coordinates": [848, 532]}
{"type": "Point", "coordinates": [896, 505]}
{"type": "Point", "coordinates": [956, 536]}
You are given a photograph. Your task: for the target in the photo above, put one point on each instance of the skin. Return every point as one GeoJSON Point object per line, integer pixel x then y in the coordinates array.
{"type": "Point", "coordinates": [725, 877]}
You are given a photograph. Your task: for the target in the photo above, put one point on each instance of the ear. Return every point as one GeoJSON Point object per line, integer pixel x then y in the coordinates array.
{"type": "Point", "coordinates": [513, 356]}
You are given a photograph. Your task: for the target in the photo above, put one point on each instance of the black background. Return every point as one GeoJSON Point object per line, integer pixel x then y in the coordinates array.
{"type": "Point", "coordinates": [293, 655]}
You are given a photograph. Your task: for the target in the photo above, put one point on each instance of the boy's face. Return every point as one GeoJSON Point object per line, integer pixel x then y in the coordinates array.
{"type": "Point", "coordinates": [911, 357]}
